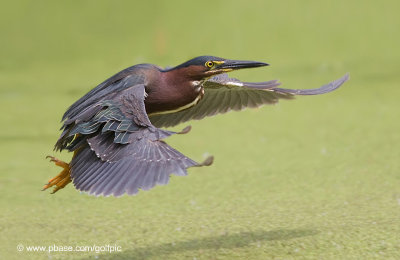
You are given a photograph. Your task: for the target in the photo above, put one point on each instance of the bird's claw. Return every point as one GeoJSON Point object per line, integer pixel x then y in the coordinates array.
{"type": "Point", "coordinates": [62, 179]}
{"type": "Point", "coordinates": [52, 158]}
{"type": "Point", "coordinates": [58, 162]}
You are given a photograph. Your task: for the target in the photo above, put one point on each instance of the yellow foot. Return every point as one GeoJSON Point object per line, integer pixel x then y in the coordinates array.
{"type": "Point", "coordinates": [62, 179]}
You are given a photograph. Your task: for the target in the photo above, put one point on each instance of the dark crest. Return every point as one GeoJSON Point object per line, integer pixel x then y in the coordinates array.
{"type": "Point", "coordinates": [199, 61]}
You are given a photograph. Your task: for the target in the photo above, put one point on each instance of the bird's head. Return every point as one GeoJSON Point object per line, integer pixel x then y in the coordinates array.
{"type": "Point", "coordinates": [203, 67]}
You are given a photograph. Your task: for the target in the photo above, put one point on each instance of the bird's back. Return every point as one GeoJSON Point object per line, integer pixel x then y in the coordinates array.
{"type": "Point", "coordinates": [105, 89]}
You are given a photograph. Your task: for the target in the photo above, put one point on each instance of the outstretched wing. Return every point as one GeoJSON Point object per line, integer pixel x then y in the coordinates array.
{"type": "Point", "coordinates": [117, 149]}
{"type": "Point", "coordinates": [222, 94]}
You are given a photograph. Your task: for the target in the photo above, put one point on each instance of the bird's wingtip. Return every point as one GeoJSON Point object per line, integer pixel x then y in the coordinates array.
{"type": "Point", "coordinates": [185, 130]}
{"type": "Point", "coordinates": [208, 161]}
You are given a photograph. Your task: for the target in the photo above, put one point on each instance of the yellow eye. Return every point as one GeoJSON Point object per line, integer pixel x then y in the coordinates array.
{"type": "Point", "coordinates": [209, 64]}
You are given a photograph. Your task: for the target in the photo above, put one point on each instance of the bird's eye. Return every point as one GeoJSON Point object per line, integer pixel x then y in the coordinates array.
{"type": "Point", "coordinates": [209, 64]}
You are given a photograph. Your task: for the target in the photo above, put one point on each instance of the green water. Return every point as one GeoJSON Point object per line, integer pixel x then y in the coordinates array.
{"type": "Point", "coordinates": [313, 178]}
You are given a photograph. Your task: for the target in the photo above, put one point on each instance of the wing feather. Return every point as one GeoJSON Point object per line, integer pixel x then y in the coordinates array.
{"type": "Point", "coordinates": [223, 94]}
{"type": "Point", "coordinates": [117, 149]}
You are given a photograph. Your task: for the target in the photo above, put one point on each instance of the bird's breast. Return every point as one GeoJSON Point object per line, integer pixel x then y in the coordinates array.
{"type": "Point", "coordinates": [172, 98]}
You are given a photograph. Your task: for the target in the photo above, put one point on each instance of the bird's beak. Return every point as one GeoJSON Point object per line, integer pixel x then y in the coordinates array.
{"type": "Point", "coordinates": [229, 65]}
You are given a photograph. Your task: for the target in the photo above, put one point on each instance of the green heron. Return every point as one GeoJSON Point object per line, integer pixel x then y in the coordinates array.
{"type": "Point", "coordinates": [114, 130]}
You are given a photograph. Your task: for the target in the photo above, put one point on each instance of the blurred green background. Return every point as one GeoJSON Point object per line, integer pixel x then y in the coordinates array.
{"type": "Point", "coordinates": [314, 178]}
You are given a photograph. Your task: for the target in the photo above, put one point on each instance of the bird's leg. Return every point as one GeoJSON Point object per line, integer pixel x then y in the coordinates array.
{"type": "Point", "coordinates": [62, 179]}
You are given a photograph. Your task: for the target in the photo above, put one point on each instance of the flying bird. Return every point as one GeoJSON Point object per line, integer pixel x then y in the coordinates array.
{"type": "Point", "coordinates": [115, 130]}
